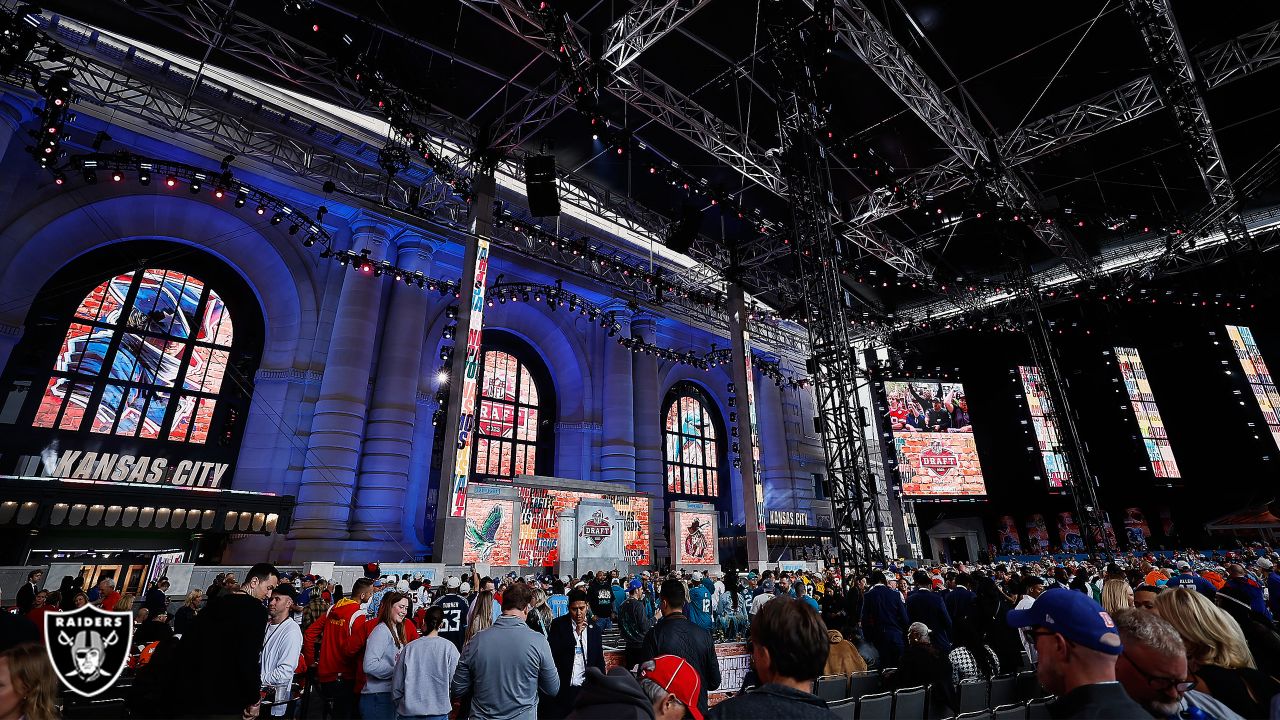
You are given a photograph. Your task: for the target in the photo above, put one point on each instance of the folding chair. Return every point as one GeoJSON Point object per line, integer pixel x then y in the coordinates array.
{"type": "Point", "coordinates": [876, 706]}
{"type": "Point", "coordinates": [1004, 690]}
{"type": "Point", "coordinates": [909, 703]}
{"type": "Point", "coordinates": [862, 683]}
{"type": "Point", "coordinates": [831, 687]}
{"type": "Point", "coordinates": [973, 696]}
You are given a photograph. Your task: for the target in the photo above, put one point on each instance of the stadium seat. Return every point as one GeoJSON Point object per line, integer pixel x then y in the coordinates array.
{"type": "Point", "coordinates": [846, 709]}
{"type": "Point", "coordinates": [909, 703]}
{"type": "Point", "coordinates": [1028, 685]}
{"type": "Point", "coordinates": [1038, 709]}
{"type": "Point", "coordinates": [876, 706]}
{"type": "Point", "coordinates": [1010, 711]}
{"type": "Point", "coordinates": [831, 687]}
{"type": "Point", "coordinates": [975, 715]}
{"type": "Point", "coordinates": [862, 683]}
{"type": "Point", "coordinates": [1004, 690]}
{"type": "Point", "coordinates": [973, 696]}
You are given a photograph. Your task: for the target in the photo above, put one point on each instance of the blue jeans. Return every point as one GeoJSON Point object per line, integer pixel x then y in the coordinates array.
{"type": "Point", "coordinates": [377, 706]}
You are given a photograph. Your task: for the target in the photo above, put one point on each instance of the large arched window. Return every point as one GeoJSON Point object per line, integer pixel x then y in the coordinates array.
{"type": "Point", "coordinates": [514, 413]}
{"type": "Point", "coordinates": [692, 452]}
{"type": "Point", "coordinates": [143, 356]}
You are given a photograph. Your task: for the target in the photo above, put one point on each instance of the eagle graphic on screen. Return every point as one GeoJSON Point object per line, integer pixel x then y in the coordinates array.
{"type": "Point", "coordinates": [484, 538]}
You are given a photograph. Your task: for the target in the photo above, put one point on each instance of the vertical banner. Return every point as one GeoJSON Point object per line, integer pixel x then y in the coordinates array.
{"type": "Point", "coordinates": [1069, 533]}
{"type": "Point", "coordinates": [1010, 539]}
{"type": "Point", "coordinates": [1150, 426]}
{"type": "Point", "coordinates": [755, 433]}
{"type": "Point", "coordinates": [1105, 536]}
{"type": "Point", "coordinates": [470, 378]}
{"type": "Point", "coordinates": [1037, 533]}
{"type": "Point", "coordinates": [1136, 530]}
{"type": "Point", "coordinates": [1259, 377]}
{"type": "Point", "coordinates": [1045, 422]}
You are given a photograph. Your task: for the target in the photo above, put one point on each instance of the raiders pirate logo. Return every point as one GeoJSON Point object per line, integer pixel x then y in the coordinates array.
{"type": "Point", "coordinates": [88, 647]}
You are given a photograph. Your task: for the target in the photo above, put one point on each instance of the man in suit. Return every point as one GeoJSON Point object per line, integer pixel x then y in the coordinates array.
{"type": "Point", "coordinates": [884, 618]}
{"type": "Point", "coordinates": [928, 607]}
{"type": "Point", "coordinates": [575, 646]}
{"type": "Point", "coordinates": [27, 593]}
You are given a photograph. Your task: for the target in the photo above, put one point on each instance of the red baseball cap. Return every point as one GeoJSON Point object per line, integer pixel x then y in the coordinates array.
{"type": "Point", "coordinates": [677, 677]}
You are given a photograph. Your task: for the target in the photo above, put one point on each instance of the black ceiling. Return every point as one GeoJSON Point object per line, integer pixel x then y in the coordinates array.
{"type": "Point", "coordinates": [1003, 62]}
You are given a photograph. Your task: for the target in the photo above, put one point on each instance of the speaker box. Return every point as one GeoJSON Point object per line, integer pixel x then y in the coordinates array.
{"type": "Point", "coordinates": [685, 229]}
{"type": "Point", "coordinates": [540, 185]}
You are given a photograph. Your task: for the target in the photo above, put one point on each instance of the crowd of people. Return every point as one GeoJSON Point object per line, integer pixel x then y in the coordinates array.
{"type": "Point", "coordinates": [1133, 636]}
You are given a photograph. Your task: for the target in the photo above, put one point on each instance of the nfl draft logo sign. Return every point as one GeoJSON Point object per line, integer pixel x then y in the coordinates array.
{"type": "Point", "coordinates": [597, 529]}
{"type": "Point", "coordinates": [940, 460]}
{"type": "Point", "coordinates": [88, 647]}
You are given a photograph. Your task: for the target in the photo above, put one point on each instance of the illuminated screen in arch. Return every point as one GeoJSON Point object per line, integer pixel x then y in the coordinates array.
{"type": "Point", "coordinates": [144, 356]}
{"type": "Point", "coordinates": [1258, 375]}
{"type": "Point", "coordinates": [1154, 438]}
{"type": "Point", "coordinates": [1045, 422]}
{"type": "Point", "coordinates": [933, 439]}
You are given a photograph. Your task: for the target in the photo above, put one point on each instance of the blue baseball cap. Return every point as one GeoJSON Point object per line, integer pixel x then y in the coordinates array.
{"type": "Point", "coordinates": [636, 584]}
{"type": "Point", "coordinates": [1074, 615]}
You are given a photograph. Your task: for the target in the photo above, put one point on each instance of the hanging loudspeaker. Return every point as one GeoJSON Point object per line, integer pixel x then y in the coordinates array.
{"type": "Point", "coordinates": [540, 185]}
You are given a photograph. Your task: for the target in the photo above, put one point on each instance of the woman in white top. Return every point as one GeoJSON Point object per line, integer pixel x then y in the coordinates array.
{"type": "Point", "coordinates": [380, 654]}
{"type": "Point", "coordinates": [420, 683]}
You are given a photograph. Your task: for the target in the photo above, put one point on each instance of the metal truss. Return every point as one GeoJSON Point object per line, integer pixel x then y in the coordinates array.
{"type": "Point", "coordinates": [643, 25]}
{"type": "Point", "coordinates": [529, 115]}
{"type": "Point", "coordinates": [830, 319]}
{"type": "Point", "coordinates": [113, 77]}
{"type": "Point", "coordinates": [1240, 56]}
{"type": "Point", "coordinates": [1175, 76]}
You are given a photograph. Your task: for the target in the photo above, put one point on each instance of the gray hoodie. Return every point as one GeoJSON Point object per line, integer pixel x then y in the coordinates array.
{"type": "Point", "coordinates": [420, 682]}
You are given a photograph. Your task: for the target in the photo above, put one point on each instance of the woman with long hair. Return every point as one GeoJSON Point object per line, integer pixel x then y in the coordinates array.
{"type": "Point", "coordinates": [733, 608]}
{"type": "Point", "coordinates": [186, 614]}
{"type": "Point", "coordinates": [1218, 656]}
{"type": "Point", "coordinates": [481, 615]}
{"type": "Point", "coordinates": [380, 654]}
{"type": "Point", "coordinates": [539, 612]}
{"type": "Point", "coordinates": [1116, 596]}
{"type": "Point", "coordinates": [125, 603]}
{"type": "Point", "coordinates": [28, 687]}
{"type": "Point", "coordinates": [420, 681]}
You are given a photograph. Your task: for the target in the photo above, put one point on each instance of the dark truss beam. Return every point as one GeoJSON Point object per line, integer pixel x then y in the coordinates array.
{"type": "Point", "coordinates": [644, 24]}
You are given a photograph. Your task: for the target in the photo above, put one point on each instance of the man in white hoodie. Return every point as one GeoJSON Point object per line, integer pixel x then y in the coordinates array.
{"type": "Point", "coordinates": [280, 647]}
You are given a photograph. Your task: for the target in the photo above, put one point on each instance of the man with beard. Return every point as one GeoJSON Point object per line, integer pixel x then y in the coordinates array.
{"type": "Point", "coordinates": [1153, 669]}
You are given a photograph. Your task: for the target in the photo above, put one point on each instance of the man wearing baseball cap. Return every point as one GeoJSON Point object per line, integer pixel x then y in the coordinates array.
{"type": "Point", "coordinates": [1268, 576]}
{"type": "Point", "coordinates": [1077, 644]}
{"type": "Point", "coordinates": [1187, 579]}
{"type": "Point", "coordinates": [634, 621]}
{"type": "Point", "coordinates": [667, 689]}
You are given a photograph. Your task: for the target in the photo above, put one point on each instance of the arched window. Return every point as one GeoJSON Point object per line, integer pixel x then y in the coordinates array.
{"type": "Point", "coordinates": [692, 455]}
{"type": "Point", "coordinates": [143, 356]}
{"type": "Point", "coordinates": [514, 413]}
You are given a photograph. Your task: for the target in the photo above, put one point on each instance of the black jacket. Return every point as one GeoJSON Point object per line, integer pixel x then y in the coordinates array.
{"type": "Point", "coordinates": [773, 701]}
{"type": "Point", "coordinates": [26, 598]}
{"type": "Point", "coordinates": [675, 635]}
{"type": "Point", "coordinates": [156, 602]}
{"type": "Point", "coordinates": [633, 622]}
{"type": "Point", "coordinates": [219, 657]}
{"type": "Point", "coordinates": [925, 606]}
{"type": "Point", "coordinates": [616, 696]}
{"type": "Point", "coordinates": [563, 646]}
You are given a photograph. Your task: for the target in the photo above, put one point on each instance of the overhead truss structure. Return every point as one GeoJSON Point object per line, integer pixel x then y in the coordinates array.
{"type": "Point", "coordinates": [644, 24]}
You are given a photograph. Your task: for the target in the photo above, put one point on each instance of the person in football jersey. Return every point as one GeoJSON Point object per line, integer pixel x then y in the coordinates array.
{"type": "Point", "coordinates": [453, 627]}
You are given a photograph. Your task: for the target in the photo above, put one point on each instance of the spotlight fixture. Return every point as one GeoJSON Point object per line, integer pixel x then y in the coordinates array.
{"type": "Point", "coordinates": [262, 210]}
{"type": "Point", "coordinates": [309, 241]}
{"type": "Point", "coordinates": [277, 218]}
{"type": "Point", "coordinates": [293, 229]}
{"type": "Point", "coordinates": [59, 178]}
{"type": "Point", "coordinates": [144, 177]}
{"type": "Point", "coordinates": [117, 176]}
{"type": "Point", "coordinates": [195, 184]}
{"type": "Point", "coordinates": [451, 312]}
{"type": "Point", "coordinates": [171, 181]}
{"type": "Point", "coordinates": [241, 198]}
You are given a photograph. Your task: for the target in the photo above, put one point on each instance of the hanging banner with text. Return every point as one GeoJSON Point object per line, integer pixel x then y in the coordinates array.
{"type": "Point", "coordinates": [470, 378]}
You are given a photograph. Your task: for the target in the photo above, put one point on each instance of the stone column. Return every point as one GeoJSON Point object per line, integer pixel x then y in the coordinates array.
{"type": "Point", "coordinates": [780, 487]}
{"type": "Point", "coordinates": [647, 412]}
{"type": "Point", "coordinates": [388, 437]}
{"type": "Point", "coordinates": [617, 441]}
{"type": "Point", "coordinates": [328, 485]}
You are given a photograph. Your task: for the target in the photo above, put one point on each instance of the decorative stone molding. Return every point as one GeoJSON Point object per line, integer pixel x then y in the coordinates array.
{"type": "Point", "coordinates": [289, 375]}
{"type": "Point", "coordinates": [428, 399]}
{"type": "Point", "coordinates": [584, 427]}
{"type": "Point", "coordinates": [13, 331]}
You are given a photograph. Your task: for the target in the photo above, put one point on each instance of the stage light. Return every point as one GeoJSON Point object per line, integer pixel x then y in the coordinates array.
{"type": "Point", "coordinates": [241, 198]}
{"type": "Point", "coordinates": [451, 312]}
{"type": "Point", "coordinates": [309, 241]}
{"type": "Point", "coordinates": [293, 229]}
{"type": "Point", "coordinates": [442, 377]}
{"type": "Point", "coordinates": [59, 179]}
{"type": "Point", "coordinates": [117, 176]}
{"type": "Point", "coordinates": [90, 176]}
{"type": "Point", "coordinates": [144, 177]}
{"type": "Point", "coordinates": [219, 193]}
{"type": "Point", "coordinates": [446, 353]}
{"type": "Point", "coordinates": [171, 181]}
{"type": "Point", "coordinates": [449, 331]}
{"type": "Point", "coordinates": [277, 218]}
{"type": "Point", "coordinates": [262, 209]}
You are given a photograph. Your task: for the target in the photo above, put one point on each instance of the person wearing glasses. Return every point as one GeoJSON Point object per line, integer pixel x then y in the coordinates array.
{"type": "Point", "coordinates": [1077, 644]}
{"type": "Point", "coordinates": [1153, 669]}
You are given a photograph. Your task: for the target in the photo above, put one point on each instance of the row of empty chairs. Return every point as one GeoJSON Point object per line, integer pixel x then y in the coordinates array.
{"type": "Point", "coordinates": [863, 695]}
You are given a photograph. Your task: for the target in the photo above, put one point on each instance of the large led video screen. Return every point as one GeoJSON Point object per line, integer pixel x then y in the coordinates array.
{"type": "Point", "coordinates": [933, 439]}
{"type": "Point", "coordinates": [1045, 422]}
{"type": "Point", "coordinates": [1154, 438]}
{"type": "Point", "coordinates": [540, 524]}
{"type": "Point", "coordinates": [1259, 377]}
